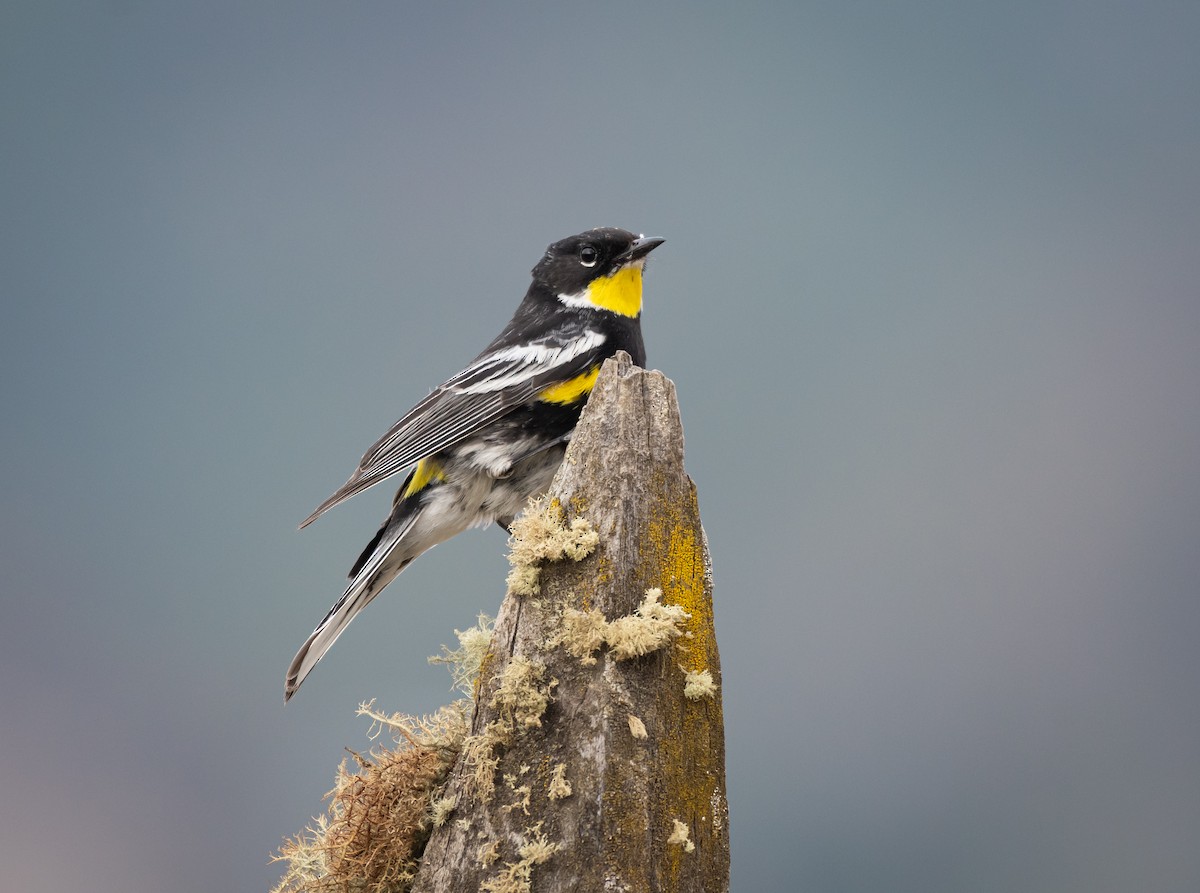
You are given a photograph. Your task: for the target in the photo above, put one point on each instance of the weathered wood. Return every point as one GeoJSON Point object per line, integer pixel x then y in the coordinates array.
{"type": "Point", "coordinates": [643, 813]}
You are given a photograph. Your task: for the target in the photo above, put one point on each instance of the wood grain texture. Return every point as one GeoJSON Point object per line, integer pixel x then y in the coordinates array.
{"type": "Point", "coordinates": [619, 828]}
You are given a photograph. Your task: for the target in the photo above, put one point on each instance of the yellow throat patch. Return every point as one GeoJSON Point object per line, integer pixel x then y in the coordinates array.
{"type": "Point", "coordinates": [621, 292]}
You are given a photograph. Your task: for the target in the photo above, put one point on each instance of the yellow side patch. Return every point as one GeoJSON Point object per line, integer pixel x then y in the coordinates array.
{"type": "Point", "coordinates": [571, 389]}
{"type": "Point", "coordinates": [621, 292]}
{"type": "Point", "coordinates": [426, 472]}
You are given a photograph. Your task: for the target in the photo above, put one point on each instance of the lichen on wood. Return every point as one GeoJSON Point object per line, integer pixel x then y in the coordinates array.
{"type": "Point", "coordinates": [588, 751]}
{"type": "Point", "coordinates": [617, 635]}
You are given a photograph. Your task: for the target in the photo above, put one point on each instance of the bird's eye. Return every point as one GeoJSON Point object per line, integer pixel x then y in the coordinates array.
{"type": "Point", "coordinates": [588, 256]}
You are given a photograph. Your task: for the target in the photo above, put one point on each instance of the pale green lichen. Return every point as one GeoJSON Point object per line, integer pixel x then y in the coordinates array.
{"type": "Point", "coordinates": [521, 697]}
{"type": "Point", "coordinates": [441, 808]}
{"type": "Point", "coordinates": [680, 836]}
{"type": "Point", "coordinates": [307, 860]}
{"type": "Point", "coordinates": [381, 812]}
{"type": "Point", "coordinates": [582, 633]}
{"type": "Point", "coordinates": [637, 728]}
{"type": "Point", "coordinates": [522, 793]}
{"type": "Point", "coordinates": [487, 853]}
{"type": "Point", "coordinates": [541, 534]}
{"type": "Point", "coordinates": [699, 684]}
{"type": "Point", "coordinates": [464, 661]}
{"type": "Point", "coordinates": [479, 757]}
{"type": "Point", "coordinates": [559, 786]}
{"type": "Point", "coordinates": [516, 877]}
{"type": "Point", "coordinates": [650, 627]}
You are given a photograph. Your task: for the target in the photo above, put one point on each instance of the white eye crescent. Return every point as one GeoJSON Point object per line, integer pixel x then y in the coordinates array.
{"type": "Point", "coordinates": [588, 256]}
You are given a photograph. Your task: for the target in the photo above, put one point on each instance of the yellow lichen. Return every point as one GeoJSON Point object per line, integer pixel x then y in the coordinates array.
{"type": "Point", "coordinates": [673, 551]}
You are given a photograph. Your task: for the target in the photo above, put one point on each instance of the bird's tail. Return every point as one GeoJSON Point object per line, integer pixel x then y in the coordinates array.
{"type": "Point", "coordinates": [371, 573]}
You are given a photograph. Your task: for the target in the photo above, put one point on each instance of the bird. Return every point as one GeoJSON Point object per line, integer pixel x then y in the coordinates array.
{"type": "Point", "coordinates": [492, 436]}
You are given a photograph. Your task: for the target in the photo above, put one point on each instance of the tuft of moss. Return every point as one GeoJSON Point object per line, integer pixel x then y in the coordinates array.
{"type": "Point", "coordinates": [382, 809]}
{"type": "Point", "coordinates": [582, 633]}
{"type": "Point", "coordinates": [517, 877]}
{"type": "Point", "coordinates": [380, 812]}
{"type": "Point", "coordinates": [637, 728]}
{"type": "Point", "coordinates": [559, 786]}
{"type": "Point", "coordinates": [699, 684]}
{"type": "Point", "coordinates": [464, 661]}
{"type": "Point", "coordinates": [680, 836]}
{"type": "Point", "coordinates": [650, 627]}
{"type": "Point", "coordinates": [522, 793]}
{"type": "Point", "coordinates": [541, 534]}
{"type": "Point", "coordinates": [479, 755]}
{"type": "Point", "coordinates": [522, 695]}
{"type": "Point", "coordinates": [441, 808]}
{"type": "Point", "coordinates": [487, 853]}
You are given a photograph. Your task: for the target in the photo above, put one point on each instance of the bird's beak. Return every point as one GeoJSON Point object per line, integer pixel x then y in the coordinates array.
{"type": "Point", "coordinates": [641, 246]}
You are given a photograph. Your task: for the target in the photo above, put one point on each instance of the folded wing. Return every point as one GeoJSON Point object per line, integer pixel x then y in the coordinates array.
{"type": "Point", "coordinates": [497, 382]}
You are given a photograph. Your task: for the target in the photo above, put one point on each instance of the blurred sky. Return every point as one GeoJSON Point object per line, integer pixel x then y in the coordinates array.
{"type": "Point", "coordinates": [929, 295]}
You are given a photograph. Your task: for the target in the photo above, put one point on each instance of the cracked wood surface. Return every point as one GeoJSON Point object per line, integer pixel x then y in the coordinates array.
{"type": "Point", "coordinates": [619, 828]}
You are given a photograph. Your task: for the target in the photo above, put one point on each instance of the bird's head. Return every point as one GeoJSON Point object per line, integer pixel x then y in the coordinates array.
{"type": "Point", "coordinates": [600, 269]}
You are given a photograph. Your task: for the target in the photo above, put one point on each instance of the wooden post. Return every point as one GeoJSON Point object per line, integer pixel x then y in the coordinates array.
{"type": "Point", "coordinates": [597, 758]}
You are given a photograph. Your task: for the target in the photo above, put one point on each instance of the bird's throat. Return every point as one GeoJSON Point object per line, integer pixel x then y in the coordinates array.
{"type": "Point", "coordinates": [621, 292]}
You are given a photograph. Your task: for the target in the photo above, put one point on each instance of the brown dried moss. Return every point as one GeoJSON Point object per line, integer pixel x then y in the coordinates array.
{"type": "Point", "coordinates": [381, 809]}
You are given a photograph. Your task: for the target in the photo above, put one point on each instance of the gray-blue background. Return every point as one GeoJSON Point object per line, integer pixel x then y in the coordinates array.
{"type": "Point", "coordinates": [930, 298]}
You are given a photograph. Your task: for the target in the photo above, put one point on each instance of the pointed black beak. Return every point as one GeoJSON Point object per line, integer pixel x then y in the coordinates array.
{"type": "Point", "coordinates": [641, 246]}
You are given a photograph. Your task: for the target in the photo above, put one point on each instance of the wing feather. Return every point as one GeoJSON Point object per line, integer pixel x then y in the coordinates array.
{"type": "Point", "coordinates": [497, 382]}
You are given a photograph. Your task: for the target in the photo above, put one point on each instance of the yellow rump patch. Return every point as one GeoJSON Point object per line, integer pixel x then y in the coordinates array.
{"type": "Point", "coordinates": [571, 389]}
{"type": "Point", "coordinates": [424, 474]}
{"type": "Point", "coordinates": [621, 292]}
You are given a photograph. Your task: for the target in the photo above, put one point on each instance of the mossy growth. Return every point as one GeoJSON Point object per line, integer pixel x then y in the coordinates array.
{"type": "Point", "coordinates": [522, 694]}
{"type": "Point", "coordinates": [637, 728]}
{"type": "Point", "coordinates": [488, 853]}
{"type": "Point", "coordinates": [517, 877]}
{"type": "Point", "coordinates": [381, 811]}
{"type": "Point", "coordinates": [385, 804]}
{"type": "Point", "coordinates": [559, 786]}
{"type": "Point", "coordinates": [650, 627]}
{"type": "Point", "coordinates": [464, 661]}
{"type": "Point", "coordinates": [541, 534]}
{"type": "Point", "coordinates": [680, 836]}
{"type": "Point", "coordinates": [441, 808]}
{"type": "Point", "coordinates": [699, 684]}
{"type": "Point", "coordinates": [521, 697]}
